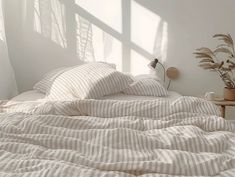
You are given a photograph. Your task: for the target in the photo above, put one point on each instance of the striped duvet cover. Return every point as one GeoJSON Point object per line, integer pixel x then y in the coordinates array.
{"type": "Point", "coordinates": [107, 138]}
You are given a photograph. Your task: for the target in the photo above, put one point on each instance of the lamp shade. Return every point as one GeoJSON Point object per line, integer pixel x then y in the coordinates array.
{"type": "Point", "coordinates": [153, 63]}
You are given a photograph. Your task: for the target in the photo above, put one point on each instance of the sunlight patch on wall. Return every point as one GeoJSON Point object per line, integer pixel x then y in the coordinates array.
{"type": "Point", "coordinates": [49, 20]}
{"type": "Point", "coordinates": [139, 64]}
{"type": "Point", "coordinates": [161, 45]}
{"type": "Point", "coordinates": [148, 30]}
{"type": "Point", "coordinates": [108, 11]}
{"type": "Point", "coordinates": [144, 25]}
{"type": "Point", "coordinates": [106, 47]}
{"type": "Point", "coordinates": [84, 43]}
{"type": "Point", "coordinates": [93, 44]}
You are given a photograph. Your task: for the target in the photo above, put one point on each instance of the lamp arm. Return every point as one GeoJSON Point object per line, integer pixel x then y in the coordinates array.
{"type": "Point", "coordinates": [169, 84]}
{"type": "Point", "coordinates": [164, 69]}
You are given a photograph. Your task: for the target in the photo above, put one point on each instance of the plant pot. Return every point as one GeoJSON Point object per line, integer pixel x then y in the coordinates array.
{"type": "Point", "coordinates": [229, 94]}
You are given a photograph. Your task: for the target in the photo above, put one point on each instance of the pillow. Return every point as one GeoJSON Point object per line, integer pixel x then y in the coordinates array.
{"type": "Point", "coordinates": [45, 84]}
{"type": "Point", "coordinates": [146, 87]}
{"type": "Point", "coordinates": [114, 66]}
{"type": "Point", "coordinates": [88, 81]}
{"type": "Point", "coordinates": [148, 76]}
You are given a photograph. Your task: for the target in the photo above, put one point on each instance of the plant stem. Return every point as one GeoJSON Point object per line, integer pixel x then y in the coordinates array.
{"type": "Point", "coordinates": [226, 79]}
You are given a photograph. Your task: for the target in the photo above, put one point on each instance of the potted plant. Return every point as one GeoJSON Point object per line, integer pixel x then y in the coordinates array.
{"type": "Point", "coordinates": [222, 61]}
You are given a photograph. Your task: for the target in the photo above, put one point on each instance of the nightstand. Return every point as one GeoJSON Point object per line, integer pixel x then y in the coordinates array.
{"type": "Point", "coordinates": [223, 104]}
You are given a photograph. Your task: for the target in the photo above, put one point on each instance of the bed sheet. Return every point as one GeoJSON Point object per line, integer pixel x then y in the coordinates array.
{"type": "Point", "coordinates": [33, 95]}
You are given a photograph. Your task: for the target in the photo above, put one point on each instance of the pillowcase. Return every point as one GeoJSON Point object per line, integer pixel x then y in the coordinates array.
{"type": "Point", "coordinates": [45, 84]}
{"type": "Point", "coordinates": [146, 87]}
{"type": "Point", "coordinates": [148, 76]}
{"type": "Point", "coordinates": [88, 81]}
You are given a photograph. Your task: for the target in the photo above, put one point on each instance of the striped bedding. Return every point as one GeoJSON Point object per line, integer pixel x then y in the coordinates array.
{"type": "Point", "coordinates": [107, 138]}
{"type": "Point", "coordinates": [146, 87]}
{"type": "Point", "coordinates": [88, 81]}
{"type": "Point", "coordinates": [46, 83]}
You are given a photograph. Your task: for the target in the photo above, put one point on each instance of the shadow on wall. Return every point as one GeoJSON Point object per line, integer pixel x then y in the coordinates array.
{"type": "Point", "coordinates": [126, 32]}
{"type": "Point", "coordinates": [123, 32]}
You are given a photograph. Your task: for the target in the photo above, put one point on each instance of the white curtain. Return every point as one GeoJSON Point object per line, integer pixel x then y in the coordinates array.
{"type": "Point", "coordinates": [8, 87]}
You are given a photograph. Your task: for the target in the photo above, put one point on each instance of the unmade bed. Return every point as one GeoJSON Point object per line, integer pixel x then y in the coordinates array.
{"type": "Point", "coordinates": [93, 121]}
{"type": "Point", "coordinates": [115, 138]}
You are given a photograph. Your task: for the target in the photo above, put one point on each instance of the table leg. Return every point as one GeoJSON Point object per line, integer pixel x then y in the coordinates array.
{"type": "Point", "coordinates": [223, 111]}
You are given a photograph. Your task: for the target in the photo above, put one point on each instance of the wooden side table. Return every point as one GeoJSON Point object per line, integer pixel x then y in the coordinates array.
{"type": "Point", "coordinates": [223, 104]}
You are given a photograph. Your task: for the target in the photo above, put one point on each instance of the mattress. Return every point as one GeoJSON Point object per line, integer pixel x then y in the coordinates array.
{"type": "Point", "coordinates": [33, 95]}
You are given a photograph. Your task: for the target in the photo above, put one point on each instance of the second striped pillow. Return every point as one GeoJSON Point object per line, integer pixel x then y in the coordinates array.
{"type": "Point", "coordinates": [146, 87]}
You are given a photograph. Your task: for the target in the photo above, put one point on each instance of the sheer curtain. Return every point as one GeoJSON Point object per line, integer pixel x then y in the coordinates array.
{"type": "Point", "coordinates": [8, 87]}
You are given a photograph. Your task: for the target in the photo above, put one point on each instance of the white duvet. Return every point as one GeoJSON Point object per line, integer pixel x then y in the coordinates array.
{"type": "Point", "coordinates": [107, 138]}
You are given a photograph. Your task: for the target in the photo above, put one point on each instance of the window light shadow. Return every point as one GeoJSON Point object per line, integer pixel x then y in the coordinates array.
{"type": "Point", "coordinates": [161, 41]}
{"type": "Point", "coordinates": [93, 43]}
{"type": "Point", "coordinates": [148, 30]}
{"type": "Point", "coordinates": [107, 11]}
{"type": "Point", "coordinates": [84, 35]}
{"type": "Point", "coordinates": [123, 32]}
{"type": "Point", "coordinates": [49, 20]}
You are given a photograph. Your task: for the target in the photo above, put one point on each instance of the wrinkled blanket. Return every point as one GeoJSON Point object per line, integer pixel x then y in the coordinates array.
{"type": "Point", "coordinates": [107, 138]}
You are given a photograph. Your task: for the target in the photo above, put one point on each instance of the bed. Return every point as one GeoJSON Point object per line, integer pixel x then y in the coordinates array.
{"type": "Point", "coordinates": [118, 135]}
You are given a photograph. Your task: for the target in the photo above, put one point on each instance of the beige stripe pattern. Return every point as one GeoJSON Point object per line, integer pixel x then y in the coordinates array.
{"type": "Point", "coordinates": [89, 81]}
{"type": "Point", "coordinates": [107, 138]}
{"type": "Point", "coordinates": [45, 84]}
{"type": "Point", "coordinates": [146, 87]}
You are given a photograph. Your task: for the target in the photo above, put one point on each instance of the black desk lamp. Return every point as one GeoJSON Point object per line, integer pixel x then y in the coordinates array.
{"type": "Point", "coordinates": [172, 72]}
{"type": "Point", "coordinates": [153, 65]}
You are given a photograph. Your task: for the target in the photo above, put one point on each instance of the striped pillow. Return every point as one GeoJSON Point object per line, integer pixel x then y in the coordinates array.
{"type": "Point", "coordinates": [146, 87]}
{"type": "Point", "coordinates": [88, 81]}
{"type": "Point", "coordinates": [45, 84]}
{"type": "Point", "coordinates": [148, 76]}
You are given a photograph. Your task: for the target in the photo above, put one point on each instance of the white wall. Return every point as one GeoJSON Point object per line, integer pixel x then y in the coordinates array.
{"type": "Point", "coordinates": [128, 32]}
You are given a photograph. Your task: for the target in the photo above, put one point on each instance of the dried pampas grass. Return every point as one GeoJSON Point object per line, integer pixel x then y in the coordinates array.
{"type": "Point", "coordinates": [209, 59]}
